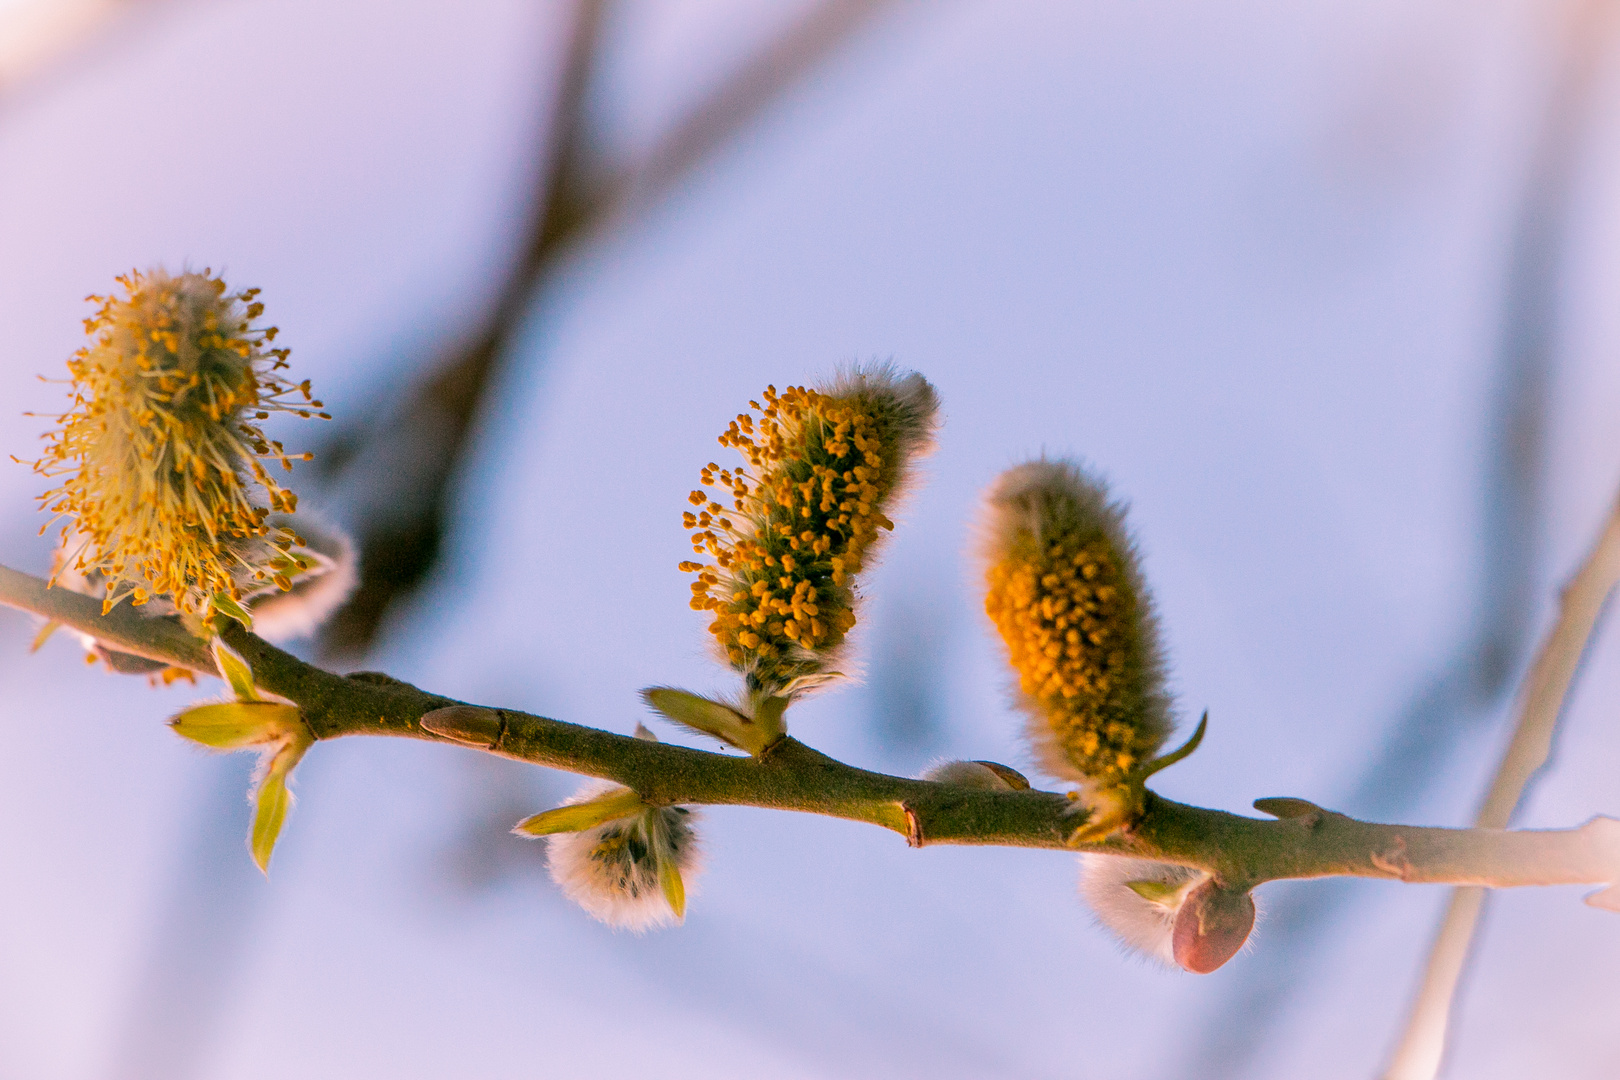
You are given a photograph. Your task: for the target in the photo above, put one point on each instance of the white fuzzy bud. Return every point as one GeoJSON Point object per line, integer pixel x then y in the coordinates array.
{"type": "Point", "coordinates": [1174, 914]}
{"type": "Point", "coordinates": [633, 872]}
{"type": "Point", "coordinates": [982, 775]}
{"type": "Point", "coordinates": [1137, 900]}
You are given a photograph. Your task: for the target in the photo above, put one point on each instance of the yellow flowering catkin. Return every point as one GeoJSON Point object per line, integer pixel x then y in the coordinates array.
{"type": "Point", "coordinates": [1064, 590]}
{"type": "Point", "coordinates": [795, 524]}
{"type": "Point", "coordinates": [160, 453]}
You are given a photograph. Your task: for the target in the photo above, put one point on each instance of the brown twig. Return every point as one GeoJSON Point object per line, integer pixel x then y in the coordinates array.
{"type": "Point", "coordinates": [1239, 852]}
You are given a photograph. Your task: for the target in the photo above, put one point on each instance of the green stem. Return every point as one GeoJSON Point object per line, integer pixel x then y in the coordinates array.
{"type": "Point", "coordinates": [1240, 851]}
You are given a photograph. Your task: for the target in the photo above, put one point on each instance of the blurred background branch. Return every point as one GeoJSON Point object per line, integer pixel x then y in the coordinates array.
{"type": "Point", "coordinates": [1542, 701]}
{"type": "Point", "coordinates": [1460, 698]}
{"type": "Point", "coordinates": [37, 35]}
{"type": "Point", "coordinates": [412, 447]}
{"type": "Point", "coordinates": [405, 453]}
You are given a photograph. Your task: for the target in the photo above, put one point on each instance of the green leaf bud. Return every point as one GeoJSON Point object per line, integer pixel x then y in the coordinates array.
{"type": "Point", "coordinates": [237, 725]}
{"type": "Point", "coordinates": [235, 671]}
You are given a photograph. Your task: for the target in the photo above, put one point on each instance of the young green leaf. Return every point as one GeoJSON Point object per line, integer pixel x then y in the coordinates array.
{"type": "Point", "coordinates": [235, 670]}
{"type": "Point", "coordinates": [707, 717]}
{"type": "Point", "coordinates": [576, 817]}
{"type": "Point", "coordinates": [269, 811]}
{"type": "Point", "coordinates": [224, 605]}
{"type": "Point", "coordinates": [271, 803]}
{"type": "Point", "coordinates": [44, 635]}
{"type": "Point", "coordinates": [1164, 893]}
{"type": "Point", "coordinates": [669, 880]}
{"type": "Point", "coordinates": [236, 725]}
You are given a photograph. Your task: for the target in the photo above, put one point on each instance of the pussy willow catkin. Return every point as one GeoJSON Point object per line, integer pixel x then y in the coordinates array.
{"type": "Point", "coordinates": [161, 457]}
{"type": "Point", "coordinates": [793, 525]}
{"type": "Point", "coordinates": [1064, 590]}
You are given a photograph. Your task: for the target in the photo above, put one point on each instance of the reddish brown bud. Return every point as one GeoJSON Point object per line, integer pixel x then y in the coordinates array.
{"type": "Point", "coordinates": [1211, 926]}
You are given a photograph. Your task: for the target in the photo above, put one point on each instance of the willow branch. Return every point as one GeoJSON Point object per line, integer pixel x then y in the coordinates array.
{"type": "Point", "coordinates": [123, 628]}
{"type": "Point", "coordinates": [1305, 842]}
{"type": "Point", "coordinates": [1422, 1045]}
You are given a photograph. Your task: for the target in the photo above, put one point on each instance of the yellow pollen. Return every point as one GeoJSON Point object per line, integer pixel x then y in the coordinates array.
{"type": "Point", "coordinates": [808, 496]}
{"type": "Point", "coordinates": [1077, 678]}
{"type": "Point", "coordinates": [159, 457]}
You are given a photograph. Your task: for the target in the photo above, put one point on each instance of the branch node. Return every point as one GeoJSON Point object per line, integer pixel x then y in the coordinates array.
{"type": "Point", "coordinates": [914, 831]}
{"type": "Point", "coordinates": [1392, 860]}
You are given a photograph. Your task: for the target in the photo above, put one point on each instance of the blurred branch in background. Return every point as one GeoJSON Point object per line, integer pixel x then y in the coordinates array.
{"type": "Point", "coordinates": [34, 34]}
{"type": "Point", "coordinates": [1455, 702]}
{"type": "Point", "coordinates": [412, 448]}
{"type": "Point", "coordinates": [906, 675]}
{"type": "Point", "coordinates": [406, 454]}
{"type": "Point", "coordinates": [1542, 702]}
{"type": "Point", "coordinates": [403, 458]}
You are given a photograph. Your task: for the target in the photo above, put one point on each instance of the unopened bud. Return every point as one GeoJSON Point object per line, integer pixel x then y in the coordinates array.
{"type": "Point", "coordinates": [1137, 900]}
{"type": "Point", "coordinates": [1211, 926]}
{"type": "Point", "coordinates": [627, 864]}
{"type": "Point", "coordinates": [983, 775]}
{"type": "Point", "coordinates": [1175, 914]}
{"type": "Point", "coordinates": [469, 724]}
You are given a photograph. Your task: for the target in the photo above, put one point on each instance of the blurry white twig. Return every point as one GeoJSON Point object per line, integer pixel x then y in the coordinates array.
{"type": "Point", "coordinates": [33, 33]}
{"type": "Point", "coordinates": [1422, 1045]}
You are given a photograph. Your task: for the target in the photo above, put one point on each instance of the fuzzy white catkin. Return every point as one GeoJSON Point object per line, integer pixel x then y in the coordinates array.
{"type": "Point", "coordinates": [1140, 924]}
{"type": "Point", "coordinates": [619, 884]}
